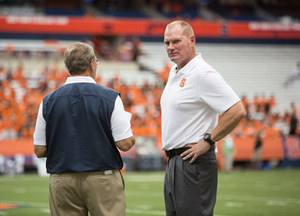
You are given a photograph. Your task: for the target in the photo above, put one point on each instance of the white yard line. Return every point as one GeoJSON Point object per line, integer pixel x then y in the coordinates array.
{"type": "Point", "coordinates": [147, 212]}
{"type": "Point", "coordinates": [20, 178]}
{"type": "Point", "coordinates": [256, 198]}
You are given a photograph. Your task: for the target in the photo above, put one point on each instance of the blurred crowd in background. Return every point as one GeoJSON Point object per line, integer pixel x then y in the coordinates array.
{"type": "Point", "coordinates": [126, 51]}
{"type": "Point", "coordinates": [20, 96]}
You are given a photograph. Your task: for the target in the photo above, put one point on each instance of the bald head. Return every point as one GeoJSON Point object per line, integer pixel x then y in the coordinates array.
{"type": "Point", "coordinates": [186, 29]}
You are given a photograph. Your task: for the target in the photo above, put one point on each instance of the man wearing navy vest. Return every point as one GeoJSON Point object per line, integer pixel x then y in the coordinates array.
{"type": "Point", "coordinates": [79, 128]}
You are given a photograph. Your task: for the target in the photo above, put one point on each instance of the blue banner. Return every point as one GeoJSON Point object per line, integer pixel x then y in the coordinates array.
{"type": "Point", "coordinates": [291, 146]}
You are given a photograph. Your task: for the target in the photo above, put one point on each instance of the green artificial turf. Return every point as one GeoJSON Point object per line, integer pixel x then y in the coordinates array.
{"type": "Point", "coordinates": [240, 193]}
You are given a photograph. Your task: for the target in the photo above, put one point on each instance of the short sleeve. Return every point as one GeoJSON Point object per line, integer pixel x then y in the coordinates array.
{"type": "Point", "coordinates": [39, 136]}
{"type": "Point", "coordinates": [120, 122]}
{"type": "Point", "coordinates": [215, 92]}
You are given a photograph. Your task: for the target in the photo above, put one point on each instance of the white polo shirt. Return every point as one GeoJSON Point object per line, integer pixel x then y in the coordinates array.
{"type": "Point", "coordinates": [191, 102]}
{"type": "Point", "coordinates": [120, 119]}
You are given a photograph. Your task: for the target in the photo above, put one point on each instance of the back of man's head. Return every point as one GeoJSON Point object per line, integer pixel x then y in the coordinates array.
{"type": "Point", "coordinates": [77, 58]}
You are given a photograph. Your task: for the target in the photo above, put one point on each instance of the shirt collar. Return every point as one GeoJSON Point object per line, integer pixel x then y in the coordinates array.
{"type": "Point", "coordinates": [80, 79]}
{"type": "Point", "coordinates": [188, 66]}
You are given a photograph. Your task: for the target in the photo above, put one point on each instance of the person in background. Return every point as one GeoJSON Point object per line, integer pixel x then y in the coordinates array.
{"type": "Point", "coordinates": [79, 128]}
{"type": "Point", "coordinates": [294, 120]}
{"type": "Point", "coordinates": [256, 158]}
{"type": "Point", "coordinates": [297, 70]}
{"type": "Point", "coordinates": [228, 151]}
{"type": "Point", "coordinates": [194, 96]}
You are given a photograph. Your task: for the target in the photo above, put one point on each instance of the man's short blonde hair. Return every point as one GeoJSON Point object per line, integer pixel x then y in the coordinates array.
{"type": "Point", "coordinates": [78, 57]}
{"type": "Point", "coordinates": [186, 29]}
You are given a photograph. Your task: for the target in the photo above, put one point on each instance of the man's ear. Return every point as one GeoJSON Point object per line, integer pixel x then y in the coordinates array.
{"type": "Point", "coordinates": [193, 39]}
{"type": "Point", "coordinates": [91, 65]}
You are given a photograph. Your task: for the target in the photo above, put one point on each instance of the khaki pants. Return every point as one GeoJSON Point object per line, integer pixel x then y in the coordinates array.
{"type": "Point", "coordinates": [76, 194]}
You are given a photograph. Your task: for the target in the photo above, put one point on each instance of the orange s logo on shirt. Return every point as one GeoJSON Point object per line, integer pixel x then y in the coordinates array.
{"type": "Point", "coordinates": [182, 82]}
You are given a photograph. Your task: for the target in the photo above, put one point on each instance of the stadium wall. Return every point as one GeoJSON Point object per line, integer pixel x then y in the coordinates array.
{"type": "Point", "coordinates": [145, 27]}
{"type": "Point", "coordinates": [279, 149]}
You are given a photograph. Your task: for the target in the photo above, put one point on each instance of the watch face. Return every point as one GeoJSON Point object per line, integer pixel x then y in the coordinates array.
{"type": "Point", "coordinates": [206, 136]}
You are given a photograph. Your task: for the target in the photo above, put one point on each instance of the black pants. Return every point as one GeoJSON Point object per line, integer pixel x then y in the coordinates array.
{"type": "Point", "coordinates": [191, 189]}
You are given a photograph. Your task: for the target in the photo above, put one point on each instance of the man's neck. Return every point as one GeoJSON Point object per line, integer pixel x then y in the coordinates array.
{"type": "Point", "coordinates": [86, 73]}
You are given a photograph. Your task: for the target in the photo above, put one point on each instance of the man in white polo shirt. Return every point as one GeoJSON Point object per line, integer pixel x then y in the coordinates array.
{"type": "Point", "coordinates": [194, 97]}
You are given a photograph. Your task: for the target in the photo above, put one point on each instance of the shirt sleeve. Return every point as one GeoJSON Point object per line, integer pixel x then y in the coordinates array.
{"type": "Point", "coordinates": [217, 93]}
{"type": "Point", "coordinates": [120, 122]}
{"type": "Point", "coordinates": [39, 136]}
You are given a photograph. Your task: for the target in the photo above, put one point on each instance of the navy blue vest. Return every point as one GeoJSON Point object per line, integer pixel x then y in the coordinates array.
{"type": "Point", "coordinates": [78, 129]}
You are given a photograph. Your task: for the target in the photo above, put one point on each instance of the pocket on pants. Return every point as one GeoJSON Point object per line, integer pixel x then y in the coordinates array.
{"type": "Point", "coordinates": [60, 185]}
{"type": "Point", "coordinates": [118, 177]}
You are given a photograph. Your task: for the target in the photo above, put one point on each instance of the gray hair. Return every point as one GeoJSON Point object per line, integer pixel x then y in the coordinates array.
{"type": "Point", "coordinates": [77, 58]}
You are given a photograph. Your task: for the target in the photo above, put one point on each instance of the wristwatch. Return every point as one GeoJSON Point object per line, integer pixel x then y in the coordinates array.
{"type": "Point", "coordinates": [207, 138]}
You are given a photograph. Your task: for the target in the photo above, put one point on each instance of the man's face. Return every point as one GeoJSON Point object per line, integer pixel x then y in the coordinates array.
{"type": "Point", "coordinates": [178, 46]}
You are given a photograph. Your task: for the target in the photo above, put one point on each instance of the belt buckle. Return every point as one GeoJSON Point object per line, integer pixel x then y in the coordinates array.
{"type": "Point", "coordinates": [108, 172]}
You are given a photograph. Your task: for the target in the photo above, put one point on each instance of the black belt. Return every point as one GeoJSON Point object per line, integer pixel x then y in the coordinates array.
{"type": "Point", "coordinates": [174, 152]}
